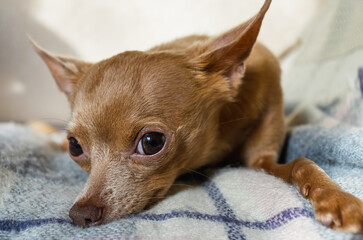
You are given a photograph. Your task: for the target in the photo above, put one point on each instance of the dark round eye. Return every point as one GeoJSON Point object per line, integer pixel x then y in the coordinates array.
{"type": "Point", "coordinates": [75, 148]}
{"type": "Point", "coordinates": [151, 143]}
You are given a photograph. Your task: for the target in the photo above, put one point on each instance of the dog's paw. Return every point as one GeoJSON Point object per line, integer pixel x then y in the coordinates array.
{"type": "Point", "coordinates": [338, 210]}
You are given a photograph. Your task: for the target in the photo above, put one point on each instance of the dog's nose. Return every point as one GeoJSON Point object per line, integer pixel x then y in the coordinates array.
{"type": "Point", "coordinates": [86, 216]}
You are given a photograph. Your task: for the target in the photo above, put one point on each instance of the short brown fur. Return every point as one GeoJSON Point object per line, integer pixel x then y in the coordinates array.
{"type": "Point", "coordinates": [209, 96]}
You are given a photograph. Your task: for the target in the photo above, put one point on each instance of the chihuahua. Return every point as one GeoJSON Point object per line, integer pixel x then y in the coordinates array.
{"type": "Point", "coordinates": [141, 119]}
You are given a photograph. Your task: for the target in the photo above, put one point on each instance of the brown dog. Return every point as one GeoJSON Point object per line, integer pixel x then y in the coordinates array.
{"type": "Point", "coordinates": [141, 119]}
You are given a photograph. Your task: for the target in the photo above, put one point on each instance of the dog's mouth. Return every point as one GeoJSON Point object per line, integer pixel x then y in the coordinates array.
{"type": "Point", "coordinates": [90, 215]}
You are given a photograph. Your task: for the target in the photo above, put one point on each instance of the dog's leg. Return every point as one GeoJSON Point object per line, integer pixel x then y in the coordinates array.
{"type": "Point", "coordinates": [333, 206]}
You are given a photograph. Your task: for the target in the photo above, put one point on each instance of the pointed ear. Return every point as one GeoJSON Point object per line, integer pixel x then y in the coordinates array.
{"type": "Point", "coordinates": [225, 53]}
{"type": "Point", "coordinates": [65, 71]}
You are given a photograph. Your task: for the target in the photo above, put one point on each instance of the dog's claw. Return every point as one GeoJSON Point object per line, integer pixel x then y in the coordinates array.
{"type": "Point", "coordinates": [325, 219]}
{"type": "Point", "coordinates": [339, 210]}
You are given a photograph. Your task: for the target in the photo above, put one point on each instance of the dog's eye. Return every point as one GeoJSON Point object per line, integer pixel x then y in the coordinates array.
{"type": "Point", "coordinates": [75, 148]}
{"type": "Point", "coordinates": [151, 143]}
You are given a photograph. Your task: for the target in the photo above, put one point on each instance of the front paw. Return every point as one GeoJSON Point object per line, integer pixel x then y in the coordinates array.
{"type": "Point", "coordinates": [338, 210]}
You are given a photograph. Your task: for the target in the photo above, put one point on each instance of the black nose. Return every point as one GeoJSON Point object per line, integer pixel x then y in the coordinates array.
{"type": "Point", "coordinates": [86, 216]}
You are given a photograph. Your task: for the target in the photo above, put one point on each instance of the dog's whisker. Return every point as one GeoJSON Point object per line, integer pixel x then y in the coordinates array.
{"type": "Point", "coordinates": [199, 173]}
{"type": "Point", "coordinates": [151, 190]}
{"type": "Point", "coordinates": [182, 184]}
{"type": "Point", "coordinates": [234, 120]}
{"type": "Point", "coordinates": [153, 198]}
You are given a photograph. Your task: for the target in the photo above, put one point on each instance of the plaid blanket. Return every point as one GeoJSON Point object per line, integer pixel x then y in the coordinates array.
{"type": "Point", "coordinates": [38, 185]}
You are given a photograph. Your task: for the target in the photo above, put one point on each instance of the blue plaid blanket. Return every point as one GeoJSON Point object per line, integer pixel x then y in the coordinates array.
{"type": "Point", "coordinates": [38, 185]}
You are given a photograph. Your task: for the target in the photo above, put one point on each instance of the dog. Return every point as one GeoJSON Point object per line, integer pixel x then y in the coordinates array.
{"type": "Point", "coordinates": [141, 119]}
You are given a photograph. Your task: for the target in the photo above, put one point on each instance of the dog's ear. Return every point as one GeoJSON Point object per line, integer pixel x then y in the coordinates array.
{"type": "Point", "coordinates": [225, 53]}
{"type": "Point", "coordinates": [66, 71]}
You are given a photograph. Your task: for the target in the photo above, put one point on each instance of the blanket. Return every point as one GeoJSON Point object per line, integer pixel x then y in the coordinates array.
{"type": "Point", "coordinates": [39, 183]}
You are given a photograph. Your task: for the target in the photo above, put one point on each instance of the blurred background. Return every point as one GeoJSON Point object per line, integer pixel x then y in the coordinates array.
{"type": "Point", "coordinates": [93, 30]}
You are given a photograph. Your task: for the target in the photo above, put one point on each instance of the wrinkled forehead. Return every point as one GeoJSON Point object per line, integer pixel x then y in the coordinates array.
{"type": "Point", "coordinates": [132, 88]}
{"type": "Point", "coordinates": [138, 76]}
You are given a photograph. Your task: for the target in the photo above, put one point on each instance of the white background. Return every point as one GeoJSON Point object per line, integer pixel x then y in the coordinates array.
{"type": "Point", "coordinates": [93, 30]}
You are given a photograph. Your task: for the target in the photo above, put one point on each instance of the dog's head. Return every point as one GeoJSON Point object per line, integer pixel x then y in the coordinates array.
{"type": "Point", "coordinates": [140, 119]}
